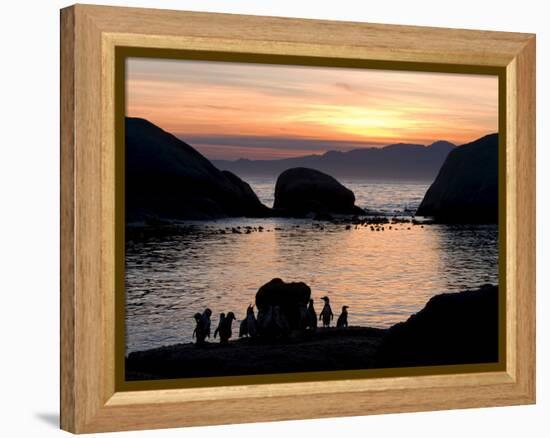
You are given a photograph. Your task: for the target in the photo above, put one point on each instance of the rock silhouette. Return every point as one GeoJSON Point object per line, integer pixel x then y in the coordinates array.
{"type": "Point", "coordinates": [281, 307]}
{"type": "Point", "coordinates": [330, 349]}
{"type": "Point", "coordinates": [453, 328]}
{"type": "Point", "coordinates": [466, 188]}
{"type": "Point", "coordinates": [301, 191]}
{"type": "Point", "coordinates": [168, 179]}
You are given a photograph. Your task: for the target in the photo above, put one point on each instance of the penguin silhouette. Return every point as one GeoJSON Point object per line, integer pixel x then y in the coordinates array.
{"type": "Point", "coordinates": [205, 321]}
{"type": "Point", "coordinates": [225, 328]}
{"type": "Point", "coordinates": [220, 324]}
{"type": "Point", "coordinates": [198, 333]}
{"type": "Point", "coordinates": [343, 318]}
{"type": "Point", "coordinates": [243, 328]}
{"type": "Point", "coordinates": [326, 314]}
{"type": "Point", "coordinates": [249, 325]}
{"type": "Point", "coordinates": [311, 316]}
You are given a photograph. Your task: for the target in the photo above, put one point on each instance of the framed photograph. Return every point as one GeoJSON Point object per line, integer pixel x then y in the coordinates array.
{"type": "Point", "coordinates": [271, 218]}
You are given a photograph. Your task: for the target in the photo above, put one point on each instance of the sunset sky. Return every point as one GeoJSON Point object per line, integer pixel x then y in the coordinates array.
{"type": "Point", "coordinates": [255, 111]}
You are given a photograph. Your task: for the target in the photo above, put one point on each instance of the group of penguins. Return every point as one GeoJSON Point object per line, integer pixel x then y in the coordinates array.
{"type": "Point", "coordinates": [249, 325]}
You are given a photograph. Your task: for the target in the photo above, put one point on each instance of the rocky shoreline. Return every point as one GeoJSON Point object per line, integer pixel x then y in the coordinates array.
{"type": "Point", "coordinates": [453, 328]}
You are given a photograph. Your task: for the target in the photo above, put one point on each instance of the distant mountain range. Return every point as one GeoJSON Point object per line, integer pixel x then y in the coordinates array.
{"type": "Point", "coordinates": [401, 161]}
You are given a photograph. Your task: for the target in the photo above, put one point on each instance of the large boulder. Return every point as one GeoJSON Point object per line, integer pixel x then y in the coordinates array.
{"type": "Point", "coordinates": [281, 307]}
{"type": "Point", "coordinates": [466, 188]}
{"type": "Point", "coordinates": [300, 191]}
{"type": "Point", "coordinates": [453, 328]}
{"type": "Point", "coordinates": [168, 179]}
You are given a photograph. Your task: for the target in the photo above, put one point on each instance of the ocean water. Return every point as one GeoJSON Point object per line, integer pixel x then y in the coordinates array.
{"type": "Point", "coordinates": [383, 277]}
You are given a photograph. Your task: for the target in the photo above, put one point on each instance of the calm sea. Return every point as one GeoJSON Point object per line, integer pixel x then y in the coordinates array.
{"type": "Point", "coordinates": [383, 277]}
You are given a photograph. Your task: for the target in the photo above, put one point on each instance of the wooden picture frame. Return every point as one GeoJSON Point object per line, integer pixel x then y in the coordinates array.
{"type": "Point", "coordinates": [91, 400]}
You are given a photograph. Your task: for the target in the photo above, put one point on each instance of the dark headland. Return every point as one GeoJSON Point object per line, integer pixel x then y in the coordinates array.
{"type": "Point", "coordinates": [457, 328]}
{"type": "Point", "coordinates": [466, 188]}
{"type": "Point", "coordinates": [168, 179]}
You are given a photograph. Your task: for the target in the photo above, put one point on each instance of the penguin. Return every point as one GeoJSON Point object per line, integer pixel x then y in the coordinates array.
{"type": "Point", "coordinates": [251, 323]}
{"type": "Point", "coordinates": [198, 333]}
{"type": "Point", "coordinates": [205, 321]}
{"type": "Point", "coordinates": [343, 318]}
{"type": "Point", "coordinates": [220, 324]}
{"type": "Point", "coordinates": [225, 328]}
{"type": "Point", "coordinates": [243, 328]}
{"type": "Point", "coordinates": [326, 314]}
{"type": "Point", "coordinates": [311, 316]}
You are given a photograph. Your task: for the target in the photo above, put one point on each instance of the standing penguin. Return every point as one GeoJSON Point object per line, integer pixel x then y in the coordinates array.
{"type": "Point", "coordinates": [225, 328]}
{"type": "Point", "coordinates": [343, 318]}
{"type": "Point", "coordinates": [205, 320]}
{"type": "Point", "coordinates": [249, 325]}
{"type": "Point", "coordinates": [243, 328]}
{"type": "Point", "coordinates": [311, 316]}
{"type": "Point", "coordinates": [220, 324]}
{"type": "Point", "coordinates": [326, 314]}
{"type": "Point", "coordinates": [199, 329]}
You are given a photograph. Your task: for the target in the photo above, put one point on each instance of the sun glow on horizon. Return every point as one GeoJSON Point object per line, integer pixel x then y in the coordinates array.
{"type": "Point", "coordinates": [231, 110]}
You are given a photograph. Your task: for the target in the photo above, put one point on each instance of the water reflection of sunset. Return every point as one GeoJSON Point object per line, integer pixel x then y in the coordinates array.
{"type": "Point", "coordinates": [383, 276]}
{"type": "Point", "coordinates": [231, 111]}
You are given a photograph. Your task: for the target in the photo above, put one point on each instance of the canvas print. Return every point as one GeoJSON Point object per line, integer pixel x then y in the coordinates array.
{"type": "Point", "coordinates": [288, 219]}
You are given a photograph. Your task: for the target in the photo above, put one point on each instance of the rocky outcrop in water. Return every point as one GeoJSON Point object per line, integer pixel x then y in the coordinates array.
{"type": "Point", "coordinates": [301, 191]}
{"type": "Point", "coordinates": [466, 188]}
{"type": "Point", "coordinates": [453, 328]}
{"type": "Point", "coordinates": [281, 308]}
{"type": "Point", "coordinates": [168, 179]}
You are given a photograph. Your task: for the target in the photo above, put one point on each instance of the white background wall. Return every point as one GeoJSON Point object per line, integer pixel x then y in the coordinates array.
{"type": "Point", "coordinates": [29, 218]}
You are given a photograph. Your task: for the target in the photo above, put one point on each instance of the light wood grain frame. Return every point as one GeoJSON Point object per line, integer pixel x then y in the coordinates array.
{"type": "Point", "coordinates": [89, 38]}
